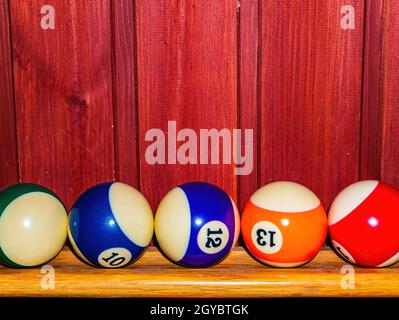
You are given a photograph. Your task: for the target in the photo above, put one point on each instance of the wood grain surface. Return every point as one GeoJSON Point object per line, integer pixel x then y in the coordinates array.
{"type": "Point", "coordinates": [8, 143]}
{"type": "Point", "coordinates": [321, 100]}
{"type": "Point", "coordinates": [125, 93]}
{"type": "Point", "coordinates": [371, 133]}
{"type": "Point", "coordinates": [239, 276]}
{"type": "Point", "coordinates": [187, 72]}
{"type": "Point", "coordinates": [63, 90]}
{"type": "Point", "coordinates": [77, 101]}
{"type": "Point", "coordinates": [248, 88]}
{"type": "Point", "coordinates": [390, 95]}
{"type": "Point", "coordinates": [311, 72]}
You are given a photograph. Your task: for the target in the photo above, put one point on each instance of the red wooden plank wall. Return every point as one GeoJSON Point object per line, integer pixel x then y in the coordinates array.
{"type": "Point", "coordinates": [248, 87]}
{"type": "Point", "coordinates": [310, 94]}
{"type": "Point", "coordinates": [370, 147]}
{"type": "Point", "coordinates": [187, 72]}
{"type": "Point", "coordinates": [322, 100]}
{"type": "Point", "coordinates": [380, 134]}
{"type": "Point", "coordinates": [63, 92]}
{"type": "Point", "coordinates": [8, 147]}
{"type": "Point", "coordinates": [125, 93]}
{"type": "Point", "coordinates": [390, 95]}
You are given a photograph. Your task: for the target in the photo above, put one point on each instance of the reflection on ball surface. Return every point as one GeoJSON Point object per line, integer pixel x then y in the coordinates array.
{"type": "Point", "coordinates": [197, 224]}
{"type": "Point", "coordinates": [364, 222]}
{"type": "Point", "coordinates": [284, 224]}
{"type": "Point", "coordinates": [110, 225]}
{"type": "Point", "coordinates": [33, 225]}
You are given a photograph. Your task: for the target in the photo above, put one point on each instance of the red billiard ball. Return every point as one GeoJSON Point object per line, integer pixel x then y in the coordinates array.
{"type": "Point", "coordinates": [284, 224]}
{"type": "Point", "coordinates": [364, 224]}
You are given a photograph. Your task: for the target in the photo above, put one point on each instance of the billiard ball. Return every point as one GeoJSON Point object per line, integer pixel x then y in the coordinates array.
{"type": "Point", "coordinates": [33, 225]}
{"type": "Point", "coordinates": [284, 224]}
{"type": "Point", "coordinates": [110, 225]}
{"type": "Point", "coordinates": [364, 223]}
{"type": "Point", "coordinates": [197, 224]}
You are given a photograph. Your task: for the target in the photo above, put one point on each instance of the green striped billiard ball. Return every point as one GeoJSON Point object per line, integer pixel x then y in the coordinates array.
{"type": "Point", "coordinates": [33, 225]}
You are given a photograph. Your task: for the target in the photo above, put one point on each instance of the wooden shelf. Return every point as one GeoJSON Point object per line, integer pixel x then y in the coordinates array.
{"type": "Point", "coordinates": [239, 276]}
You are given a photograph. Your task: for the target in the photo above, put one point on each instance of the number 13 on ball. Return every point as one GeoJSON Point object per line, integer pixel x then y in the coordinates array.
{"type": "Point", "coordinates": [284, 224]}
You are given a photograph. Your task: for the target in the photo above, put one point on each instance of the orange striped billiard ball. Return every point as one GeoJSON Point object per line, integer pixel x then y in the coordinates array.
{"type": "Point", "coordinates": [284, 224]}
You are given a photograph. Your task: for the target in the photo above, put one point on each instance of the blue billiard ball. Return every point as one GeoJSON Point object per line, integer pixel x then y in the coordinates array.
{"type": "Point", "coordinates": [110, 225]}
{"type": "Point", "coordinates": [197, 224]}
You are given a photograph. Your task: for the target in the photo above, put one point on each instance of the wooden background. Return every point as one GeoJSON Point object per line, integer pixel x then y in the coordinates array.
{"type": "Point", "coordinates": [77, 101]}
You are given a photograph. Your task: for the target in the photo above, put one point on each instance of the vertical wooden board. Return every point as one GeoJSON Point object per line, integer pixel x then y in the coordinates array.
{"type": "Point", "coordinates": [310, 94]}
{"type": "Point", "coordinates": [8, 146]}
{"type": "Point", "coordinates": [248, 86]}
{"type": "Point", "coordinates": [63, 87]}
{"type": "Point", "coordinates": [370, 157]}
{"type": "Point", "coordinates": [187, 72]}
{"type": "Point", "coordinates": [125, 102]}
{"type": "Point", "coordinates": [390, 93]}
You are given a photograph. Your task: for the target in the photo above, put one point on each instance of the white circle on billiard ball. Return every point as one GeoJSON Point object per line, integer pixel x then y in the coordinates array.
{"type": "Point", "coordinates": [343, 252]}
{"type": "Point", "coordinates": [213, 237]}
{"type": "Point", "coordinates": [267, 237]}
{"type": "Point", "coordinates": [114, 257]}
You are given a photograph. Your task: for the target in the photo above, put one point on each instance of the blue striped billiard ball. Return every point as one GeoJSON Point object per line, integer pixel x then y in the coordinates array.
{"type": "Point", "coordinates": [197, 224]}
{"type": "Point", "coordinates": [110, 225]}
